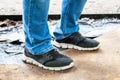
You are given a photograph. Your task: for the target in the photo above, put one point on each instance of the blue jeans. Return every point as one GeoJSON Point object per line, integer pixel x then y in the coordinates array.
{"type": "Point", "coordinates": [35, 15]}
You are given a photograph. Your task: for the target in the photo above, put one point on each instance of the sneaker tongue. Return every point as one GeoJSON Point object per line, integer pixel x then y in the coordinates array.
{"type": "Point", "coordinates": [46, 58]}
{"type": "Point", "coordinates": [50, 56]}
{"type": "Point", "coordinates": [76, 34]}
{"type": "Point", "coordinates": [77, 37]}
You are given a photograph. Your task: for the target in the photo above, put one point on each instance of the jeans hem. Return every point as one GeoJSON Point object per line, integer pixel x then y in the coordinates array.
{"type": "Point", "coordinates": [40, 52]}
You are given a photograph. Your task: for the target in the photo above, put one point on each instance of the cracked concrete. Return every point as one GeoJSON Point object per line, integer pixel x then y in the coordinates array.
{"type": "Point", "coordinates": [102, 64]}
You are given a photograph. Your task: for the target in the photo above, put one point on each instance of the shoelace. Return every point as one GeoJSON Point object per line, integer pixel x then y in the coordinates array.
{"type": "Point", "coordinates": [77, 37]}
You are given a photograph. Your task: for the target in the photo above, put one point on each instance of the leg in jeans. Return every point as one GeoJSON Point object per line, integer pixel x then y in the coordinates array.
{"type": "Point", "coordinates": [67, 31]}
{"type": "Point", "coordinates": [71, 11]}
{"type": "Point", "coordinates": [37, 36]}
{"type": "Point", "coordinates": [39, 50]}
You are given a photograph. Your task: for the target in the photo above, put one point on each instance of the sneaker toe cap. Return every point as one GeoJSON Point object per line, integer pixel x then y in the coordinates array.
{"type": "Point", "coordinates": [59, 62]}
{"type": "Point", "coordinates": [88, 43]}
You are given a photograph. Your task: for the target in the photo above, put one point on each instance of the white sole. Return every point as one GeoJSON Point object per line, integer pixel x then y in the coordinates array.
{"type": "Point", "coordinates": [32, 61]}
{"type": "Point", "coordinates": [64, 45]}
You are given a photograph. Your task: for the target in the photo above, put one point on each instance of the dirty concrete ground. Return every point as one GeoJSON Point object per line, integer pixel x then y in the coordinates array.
{"type": "Point", "coordinates": [14, 7]}
{"type": "Point", "coordinates": [101, 64]}
{"type": "Point", "coordinates": [12, 36]}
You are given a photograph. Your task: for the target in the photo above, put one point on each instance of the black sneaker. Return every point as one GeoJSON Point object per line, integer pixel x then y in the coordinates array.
{"type": "Point", "coordinates": [77, 41]}
{"type": "Point", "coordinates": [52, 60]}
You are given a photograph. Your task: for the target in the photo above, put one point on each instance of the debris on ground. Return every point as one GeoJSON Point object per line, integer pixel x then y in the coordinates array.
{"type": "Point", "coordinates": [11, 31]}
{"type": "Point", "coordinates": [8, 22]}
{"type": "Point", "coordinates": [12, 36]}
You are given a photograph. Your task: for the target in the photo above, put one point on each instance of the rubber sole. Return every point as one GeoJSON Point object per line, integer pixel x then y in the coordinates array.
{"type": "Point", "coordinates": [64, 45]}
{"type": "Point", "coordinates": [32, 61]}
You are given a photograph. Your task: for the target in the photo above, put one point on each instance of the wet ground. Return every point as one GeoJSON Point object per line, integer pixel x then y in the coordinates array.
{"type": "Point", "coordinates": [12, 37]}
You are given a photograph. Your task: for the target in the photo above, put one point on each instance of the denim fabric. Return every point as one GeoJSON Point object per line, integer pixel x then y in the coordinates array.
{"type": "Point", "coordinates": [71, 11]}
{"type": "Point", "coordinates": [35, 14]}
